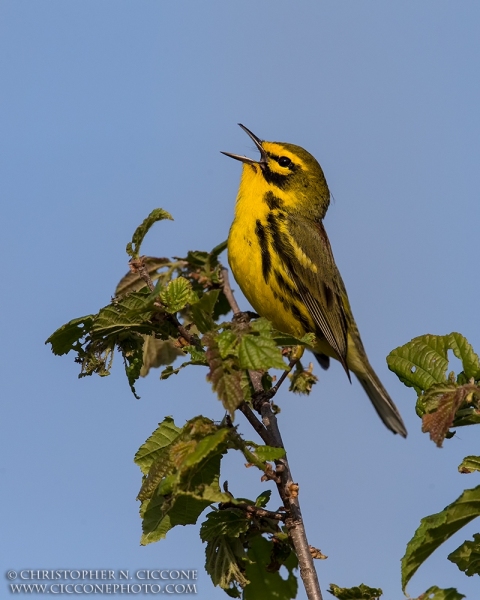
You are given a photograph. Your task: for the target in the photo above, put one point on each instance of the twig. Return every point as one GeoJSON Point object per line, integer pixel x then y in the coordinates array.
{"type": "Point", "coordinates": [287, 489]}
{"type": "Point", "coordinates": [227, 290]}
{"type": "Point", "coordinates": [137, 265]}
{"type": "Point", "coordinates": [254, 511]}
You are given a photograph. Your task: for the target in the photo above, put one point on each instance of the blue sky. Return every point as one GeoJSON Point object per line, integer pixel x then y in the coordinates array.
{"type": "Point", "coordinates": [109, 109]}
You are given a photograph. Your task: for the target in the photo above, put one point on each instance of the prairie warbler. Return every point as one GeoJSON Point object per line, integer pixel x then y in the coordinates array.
{"type": "Point", "coordinates": [281, 258]}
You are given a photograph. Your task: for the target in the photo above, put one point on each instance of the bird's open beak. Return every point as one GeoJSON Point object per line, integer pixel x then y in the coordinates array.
{"type": "Point", "coordinates": [258, 143]}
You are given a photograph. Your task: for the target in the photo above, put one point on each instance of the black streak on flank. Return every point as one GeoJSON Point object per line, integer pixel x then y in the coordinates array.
{"type": "Point", "coordinates": [328, 295]}
{"type": "Point", "coordinates": [298, 315]}
{"type": "Point", "coordinates": [273, 202]}
{"type": "Point", "coordinates": [280, 244]}
{"type": "Point", "coordinates": [284, 286]}
{"type": "Point", "coordinates": [266, 258]}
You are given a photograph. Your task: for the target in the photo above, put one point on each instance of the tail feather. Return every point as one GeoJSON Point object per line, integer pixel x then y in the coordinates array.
{"type": "Point", "coordinates": [382, 402]}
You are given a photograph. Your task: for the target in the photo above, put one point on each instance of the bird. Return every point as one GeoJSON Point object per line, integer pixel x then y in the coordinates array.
{"type": "Point", "coordinates": [280, 256]}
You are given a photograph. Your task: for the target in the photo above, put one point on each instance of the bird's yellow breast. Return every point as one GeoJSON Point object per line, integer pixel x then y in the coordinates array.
{"type": "Point", "coordinates": [256, 265]}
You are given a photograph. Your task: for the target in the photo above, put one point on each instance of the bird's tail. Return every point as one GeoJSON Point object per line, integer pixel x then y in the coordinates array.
{"type": "Point", "coordinates": [382, 402]}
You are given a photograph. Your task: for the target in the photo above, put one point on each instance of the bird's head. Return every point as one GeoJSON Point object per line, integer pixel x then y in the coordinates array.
{"type": "Point", "coordinates": [289, 171]}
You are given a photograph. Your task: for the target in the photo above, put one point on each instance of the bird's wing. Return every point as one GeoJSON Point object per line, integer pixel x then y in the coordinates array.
{"type": "Point", "coordinates": [308, 257]}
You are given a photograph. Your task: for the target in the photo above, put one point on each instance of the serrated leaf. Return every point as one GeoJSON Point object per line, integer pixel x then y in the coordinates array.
{"type": "Point", "coordinates": [225, 380]}
{"type": "Point", "coordinates": [464, 351]}
{"type": "Point", "coordinates": [361, 592]}
{"type": "Point", "coordinates": [224, 563]}
{"type": "Point", "coordinates": [229, 522]}
{"type": "Point", "coordinates": [435, 593]}
{"type": "Point", "coordinates": [163, 436]}
{"type": "Point", "coordinates": [227, 342]}
{"type": "Point", "coordinates": [124, 314]}
{"type": "Point", "coordinates": [469, 464]}
{"type": "Point", "coordinates": [257, 353]}
{"type": "Point", "coordinates": [262, 326]}
{"type": "Point", "coordinates": [423, 361]}
{"type": "Point", "coordinates": [157, 214]}
{"type": "Point", "coordinates": [229, 390]}
{"type": "Point", "coordinates": [160, 468]}
{"type": "Point", "coordinates": [189, 493]}
{"type": "Point", "coordinates": [183, 509]}
{"type": "Point", "coordinates": [467, 556]}
{"type": "Point", "coordinates": [176, 295]}
{"type": "Point", "coordinates": [266, 583]}
{"type": "Point", "coordinates": [265, 453]}
{"type": "Point", "coordinates": [67, 336]}
{"type": "Point", "coordinates": [436, 529]}
{"type": "Point", "coordinates": [215, 443]}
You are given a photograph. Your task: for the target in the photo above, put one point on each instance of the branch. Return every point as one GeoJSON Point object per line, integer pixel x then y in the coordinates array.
{"type": "Point", "coordinates": [254, 511]}
{"type": "Point", "coordinates": [288, 490]}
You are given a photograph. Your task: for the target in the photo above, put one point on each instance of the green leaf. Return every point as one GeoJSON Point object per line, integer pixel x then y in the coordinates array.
{"type": "Point", "coordinates": [361, 592]}
{"type": "Point", "coordinates": [157, 214]}
{"type": "Point", "coordinates": [467, 556]}
{"type": "Point", "coordinates": [266, 583]}
{"type": "Point", "coordinates": [225, 379]}
{"type": "Point", "coordinates": [282, 339]}
{"type": "Point", "coordinates": [469, 464]}
{"type": "Point", "coordinates": [168, 371]}
{"type": "Point", "coordinates": [225, 560]}
{"type": "Point", "coordinates": [163, 436]}
{"type": "Point", "coordinates": [464, 351]}
{"type": "Point", "coordinates": [265, 453]}
{"type": "Point", "coordinates": [435, 593]}
{"type": "Point", "coordinates": [257, 353]}
{"type": "Point", "coordinates": [219, 523]}
{"type": "Point", "coordinates": [420, 363]}
{"type": "Point", "coordinates": [123, 314]}
{"type": "Point", "coordinates": [189, 493]}
{"type": "Point", "coordinates": [213, 443]}
{"type": "Point", "coordinates": [163, 514]}
{"type": "Point", "coordinates": [262, 326]}
{"type": "Point", "coordinates": [436, 529]}
{"type": "Point", "coordinates": [160, 468]}
{"type": "Point", "coordinates": [67, 337]}
{"type": "Point", "coordinates": [219, 249]}
{"type": "Point", "coordinates": [203, 309]}
{"type": "Point", "coordinates": [263, 498]}
{"type": "Point", "coordinates": [227, 342]}
{"type": "Point", "coordinates": [423, 361]}
{"type": "Point", "coordinates": [177, 295]}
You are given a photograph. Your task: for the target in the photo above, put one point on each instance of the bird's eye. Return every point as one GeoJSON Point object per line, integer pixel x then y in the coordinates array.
{"type": "Point", "coordinates": [284, 161]}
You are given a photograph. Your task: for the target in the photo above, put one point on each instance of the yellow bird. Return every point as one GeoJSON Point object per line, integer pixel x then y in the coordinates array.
{"type": "Point", "coordinates": [281, 258]}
